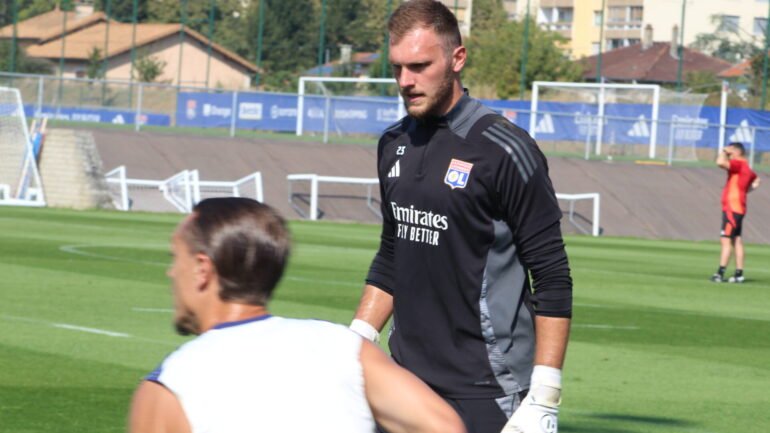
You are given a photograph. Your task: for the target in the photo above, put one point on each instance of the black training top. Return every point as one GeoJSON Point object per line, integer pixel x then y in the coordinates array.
{"type": "Point", "coordinates": [468, 209]}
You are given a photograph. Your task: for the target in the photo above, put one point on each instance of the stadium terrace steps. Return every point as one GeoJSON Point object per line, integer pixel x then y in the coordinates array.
{"type": "Point", "coordinates": [646, 201]}
{"type": "Point", "coordinates": [71, 171]}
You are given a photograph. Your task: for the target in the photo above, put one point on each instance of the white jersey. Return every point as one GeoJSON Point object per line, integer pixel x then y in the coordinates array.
{"type": "Point", "coordinates": [270, 374]}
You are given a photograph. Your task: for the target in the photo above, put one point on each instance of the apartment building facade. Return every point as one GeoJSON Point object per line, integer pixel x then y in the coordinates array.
{"type": "Point", "coordinates": [580, 21]}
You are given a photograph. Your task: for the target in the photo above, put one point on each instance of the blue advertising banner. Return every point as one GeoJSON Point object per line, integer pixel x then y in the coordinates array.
{"type": "Point", "coordinates": [359, 115]}
{"type": "Point", "coordinates": [682, 125]}
{"type": "Point", "coordinates": [119, 117]}
{"type": "Point", "coordinates": [264, 111]}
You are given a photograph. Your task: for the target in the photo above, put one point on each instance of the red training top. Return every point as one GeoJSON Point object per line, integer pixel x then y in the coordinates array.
{"type": "Point", "coordinates": [739, 179]}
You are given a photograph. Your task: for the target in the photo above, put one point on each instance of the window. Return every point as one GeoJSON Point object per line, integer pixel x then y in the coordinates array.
{"type": "Point", "coordinates": [564, 15]}
{"type": "Point", "coordinates": [636, 13]}
{"type": "Point", "coordinates": [616, 14]}
{"type": "Point", "coordinates": [729, 23]}
{"type": "Point", "coordinates": [545, 15]}
{"type": "Point", "coordinates": [615, 43]}
{"type": "Point", "coordinates": [597, 18]}
{"type": "Point", "coordinates": [760, 24]}
{"type": "Point", "coordinates": [595, 48]}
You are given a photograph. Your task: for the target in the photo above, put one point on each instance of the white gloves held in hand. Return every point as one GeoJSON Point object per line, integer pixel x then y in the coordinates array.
{"type": "Point", "coordinates": [538, 411]}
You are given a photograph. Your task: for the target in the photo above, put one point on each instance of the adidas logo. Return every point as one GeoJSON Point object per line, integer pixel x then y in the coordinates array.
{"type": "Point", "coordinates": [545, 125]}
{"type": "Point", "coordinates": [395, 171]}
{"type": "Point", "coordinates": [639, 129]}
{"type": "Point", "coordinates": [744, 133]}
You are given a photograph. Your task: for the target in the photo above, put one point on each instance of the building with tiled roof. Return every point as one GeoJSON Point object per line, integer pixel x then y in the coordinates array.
{"type": "Point", "coordinates": [46, 37]}
{"type": "Point", "coordinates": [650, 62]}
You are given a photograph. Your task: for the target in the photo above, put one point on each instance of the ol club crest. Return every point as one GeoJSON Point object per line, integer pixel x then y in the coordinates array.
{"type": "Point", "coordinates": [458, 173]}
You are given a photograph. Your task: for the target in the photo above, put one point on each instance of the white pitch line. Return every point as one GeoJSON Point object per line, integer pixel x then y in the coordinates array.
{"type": "Point", "coordinates": [632, 328]}
{"type": "Point", "coordinates": [661, 310]}
{"type": "Point", "coordinates": [75, 249]}
{"type": "Point", "coordinates": [153, 310]}
{"type": "Point", "coordinates": [91, 330]}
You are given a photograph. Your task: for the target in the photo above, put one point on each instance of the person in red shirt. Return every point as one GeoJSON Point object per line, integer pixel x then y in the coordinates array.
{"type": "Point", "coordinates": [740, 180]}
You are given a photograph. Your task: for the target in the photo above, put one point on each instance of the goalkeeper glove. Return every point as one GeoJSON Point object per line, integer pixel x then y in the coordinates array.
{"type": "Point", "coordinates": [539, 409]}
{"type": "Point", "coordinates": [364, 329]}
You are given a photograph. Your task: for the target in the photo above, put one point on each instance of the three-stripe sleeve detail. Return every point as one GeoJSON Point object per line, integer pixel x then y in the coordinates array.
{"type": "Point", "coordinates": [515, 148]}
{"type": "Point", "coordinates": [518, 145]}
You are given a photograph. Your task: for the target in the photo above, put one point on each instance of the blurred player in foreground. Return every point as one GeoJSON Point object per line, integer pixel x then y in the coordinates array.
{"type": "Point", "coordinates": [248, 371]}
{"type": "Point", "coordinates": [469, 213]}
{"type": "Point", "coordinates": [740, 181]}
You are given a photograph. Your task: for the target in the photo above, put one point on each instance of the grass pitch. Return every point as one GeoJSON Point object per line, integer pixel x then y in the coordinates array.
{"type": "Point", "coordinates": [655, 347]}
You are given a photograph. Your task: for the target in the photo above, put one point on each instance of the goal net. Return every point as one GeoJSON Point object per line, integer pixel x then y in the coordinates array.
{"type": "Point", "coordinates": [337, 107]}
{"type": "Point", "coordinates": [682, 126]}
{"type": "Point", "coordinates": [19, 177]}
{"type": "Point", "coordinates": [595, 119]}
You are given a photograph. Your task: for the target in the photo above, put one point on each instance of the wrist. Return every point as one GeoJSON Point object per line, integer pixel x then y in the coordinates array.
{"type": "Point", "coordinates": [544, 375]}
{"type": "Point", "coordinates": [364, 329]}
{"type": "Point", "coordinates": [545, 386]}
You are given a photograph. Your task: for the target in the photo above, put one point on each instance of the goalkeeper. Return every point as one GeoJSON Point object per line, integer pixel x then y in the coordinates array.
{"type": "Point", "coordinates": [468, 213]}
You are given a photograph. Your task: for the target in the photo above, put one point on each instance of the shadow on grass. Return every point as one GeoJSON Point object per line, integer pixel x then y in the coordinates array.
{"type": "Point", "coordinates": [613, 422]}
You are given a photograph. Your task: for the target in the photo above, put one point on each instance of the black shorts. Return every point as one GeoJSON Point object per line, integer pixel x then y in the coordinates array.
{"type": "Point", "coordinates": [732, 224]}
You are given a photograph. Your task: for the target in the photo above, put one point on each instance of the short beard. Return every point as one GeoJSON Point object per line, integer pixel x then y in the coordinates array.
{"type": "Point", "coordinates": [443, 95]}
{"type": "Point", "coordinates": [187, 325]}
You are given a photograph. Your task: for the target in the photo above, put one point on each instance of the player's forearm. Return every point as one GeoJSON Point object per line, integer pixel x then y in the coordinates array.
{"type": "Point", "coordinates": [722, 160]}
{"type": "Point", "coordinates": [551, 336]}
{"type": "Point", "coordinates": [375, 307]}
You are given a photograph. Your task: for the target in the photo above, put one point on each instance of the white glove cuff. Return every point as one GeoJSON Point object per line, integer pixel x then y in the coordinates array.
{"type": "Point", "coordinates": [544, 375]}
{"type": "Point", "coordinates": [364, 329]}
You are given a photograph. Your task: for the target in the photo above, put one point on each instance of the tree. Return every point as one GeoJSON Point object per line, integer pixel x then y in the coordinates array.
{"type": "Point", "coordinates": [495, 54]}
{"type": "Point", "coordinates": [487, 15]}
{"type": "Point", "coordinates": [148, 68]}
{"type": "Point", "coordinates": [22, 64]}
{"type": "Point", "coordinates": [346, 23]}
{"type": "Point", "coordinates": [94, 69]}
{"type": "Point", "coordinates": [290, 39]}
{"type": "Point", "coordinates": [123, 10]}
{"type": "Point", "coordinates": [727, 42]}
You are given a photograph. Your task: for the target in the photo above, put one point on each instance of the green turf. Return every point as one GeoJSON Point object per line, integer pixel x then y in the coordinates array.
{"type": "Point", "coordinates": [655, 347]}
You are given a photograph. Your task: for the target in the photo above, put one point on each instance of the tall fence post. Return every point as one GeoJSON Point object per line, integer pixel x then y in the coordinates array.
{"type": "Point", "coordinates": [723, 115]}
{"type": "Point", "coordinates": [327, 116]}
{"type": "Point", "coordinates": [233, 113]}
{"type": "Point", "coordinates": [40, 91]}
{"type": "Point", "coordinates": [300, 105]}
{"type": "Point", "coordinates": [137, 117]}
{"type": "Point", "coordinates": [600, 125]}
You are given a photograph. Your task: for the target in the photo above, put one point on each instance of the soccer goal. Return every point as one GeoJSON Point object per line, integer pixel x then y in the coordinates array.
{"type": "Point", "coordinates": [20, 183]}
{"type": "Point", "coordinates": [610, 118]}
{"type": "Point", "coordinates": [344, 106]}
{"type": "Point", "coordinates": [180, 191]}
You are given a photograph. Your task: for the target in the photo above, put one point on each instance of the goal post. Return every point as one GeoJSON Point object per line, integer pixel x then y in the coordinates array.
{"type": "Point", "coordinates": [596, 97]}
{"type": "Point", "coordinates": [20, 183]}
{"type": "Point", "coordinates": [353, 112]}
